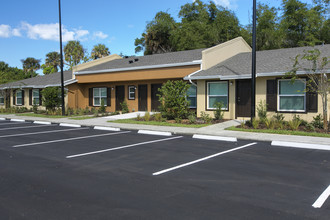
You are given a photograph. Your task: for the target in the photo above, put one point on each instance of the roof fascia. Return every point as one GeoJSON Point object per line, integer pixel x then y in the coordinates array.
{"type": "Point", "coordinates": [195, 62]}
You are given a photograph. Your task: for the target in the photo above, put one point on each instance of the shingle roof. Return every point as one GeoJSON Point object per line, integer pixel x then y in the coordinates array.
{"type": "Point", "coordinates": [149, 60]}
{"type": "Point", "coordinates": [268, 61]}
{"type": "Point", "coordinates": [42, 81]}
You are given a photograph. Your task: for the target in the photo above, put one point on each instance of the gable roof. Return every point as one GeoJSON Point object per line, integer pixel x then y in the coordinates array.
{"type": "Point", "coordinates": [42, 81]}
{"type": "Point", "coordinates": [181, 58]}
{"type": "Point", "coordinates": [269, 62]}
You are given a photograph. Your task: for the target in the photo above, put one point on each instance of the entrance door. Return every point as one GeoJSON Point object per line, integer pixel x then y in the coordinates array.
{"type": "Point", "coordinates": [120, 96]}
{"type": "Point", "coordinates": [143, 97]}
{"type": "Point", "coordinates": [154, 98]}
{"type": "Point", "coordinates": [243, 98]}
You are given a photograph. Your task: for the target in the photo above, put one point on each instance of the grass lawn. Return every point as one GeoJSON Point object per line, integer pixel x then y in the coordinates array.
{"type": "Point", "coordinates": [41, 115]}
{"type": "Point", "coordinates": [301, 133]}
{"type": "Point", "coordinates": [133, 121]}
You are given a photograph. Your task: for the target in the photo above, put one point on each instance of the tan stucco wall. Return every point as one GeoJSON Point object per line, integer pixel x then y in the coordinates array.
{"type": "Point", "coordinates": [79, 94]}
{"type": "Point", "coordinates": [222, 52]}
{"type": "Point", "coordinates": [149, 74]}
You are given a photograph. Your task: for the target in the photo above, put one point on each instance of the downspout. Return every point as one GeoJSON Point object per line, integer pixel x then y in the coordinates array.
{"type": "Point", "coordinates": [193, 74]}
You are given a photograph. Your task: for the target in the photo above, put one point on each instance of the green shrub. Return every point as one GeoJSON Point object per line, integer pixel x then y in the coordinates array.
{"type": "Point", "coordinates": [255, 123]}
{"type": "Point", "coordinates": [294, 124]}
{"type": "Point", "coordinates": [147, 116]}
{"type": "Point", "coordinates": [206, 117]}
{"type": "Point", "coordinates": [178, 120]}
{"type": "Point", "coordinates": [138, 117]}
{"type": "Point", "coordinates": [318, 121]}
{"type": "Point", "coordinates": [218, 113]}
{"type": "Point", "coordinates": [35, 107]}
{"type": "Point", "coordinates": [124, 107]}
{"type": "Point", "coordinates": [69, 111]}
{"type": "Point", "coordinates": [173, 99]}
{"type": "Point", "coordinates": [102, 107]}
{"type": "Point", "coordinates": [51, 98]}
{"type": "Point", "coordinates": [310, 127]}
{"type": "Point", "coordinates": [192, 119]}
{"type": "Point", "coordinates": [279, 117]}
{"type": "Point", "coordinates": [262, 111]}
{"type": "Point", "coordinates": [158, 117]}
{"type": "Point", "coordinates": [269, 123]}
{"type": "Point", "coordinates": [96, 113]}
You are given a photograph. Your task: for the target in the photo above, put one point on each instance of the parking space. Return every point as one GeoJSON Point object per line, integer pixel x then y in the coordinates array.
{"type": "Point", "coordinates": [52, 172]}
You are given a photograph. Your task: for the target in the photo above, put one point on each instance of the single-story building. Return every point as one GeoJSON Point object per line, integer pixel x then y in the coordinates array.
{"type": "Point", "coordinates": [26, 92]}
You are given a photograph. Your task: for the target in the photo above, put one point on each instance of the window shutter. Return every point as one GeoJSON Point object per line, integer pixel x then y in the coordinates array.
{"type": "Point", "coordinates": [14, 97]}
{"type": "Point", "coordinates": [90, 96]}
{"type": "Point", "coordinates": [311, 99]}
{"type": "Point", "coordinates": [108, 96]}
{"type": "Point", "coordinates": [271, 98]}
{"type": "Point", "coordinates": [23, 97]}
{"type": "Point", "coordinates": [30, 97]}
{"type": "Point", "coordinates": [40, 97]}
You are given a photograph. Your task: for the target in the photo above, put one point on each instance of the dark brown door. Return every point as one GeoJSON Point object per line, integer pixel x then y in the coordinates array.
{"type": "Point", "coordinates": [154, 98]}
{"type": "Point", "coordinates": [243, 98]}
{"type": "Point", "coordinates": [120, 96]}
{"type": "Point", "coordinates": [143, 97]}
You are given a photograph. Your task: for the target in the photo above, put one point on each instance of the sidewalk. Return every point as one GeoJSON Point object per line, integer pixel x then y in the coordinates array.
{"type": "Point", "coordinates": [214, 130]}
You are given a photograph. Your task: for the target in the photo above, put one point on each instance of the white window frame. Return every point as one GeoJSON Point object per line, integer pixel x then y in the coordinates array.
{"type": "Point", "coordinates": [290, 95]}
{"type": "Point", "coordinates": [20, 97]}
{"type": "Point", "coordinates": [193, 96]}
{"type": "Point", "coordinates": [34, 97]}
{"type": "Point", "coordinates": [2, 97]}
{"type": "Point", "coordinates": [100, 96]}
{"type": "Point", "coordinates": [130, 93]}
{"type": "Point", "coordinates": [208, 96]}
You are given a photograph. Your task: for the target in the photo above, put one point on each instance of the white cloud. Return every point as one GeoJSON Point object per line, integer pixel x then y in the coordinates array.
{"type": "Point", "coordinates": [100, 34]}
{"type": "Point", "coordinates": [230, 4]}
{"type": "Point", "coordinates": [5, 30]}
{"type": "Point", "coordinates": [16, 32]}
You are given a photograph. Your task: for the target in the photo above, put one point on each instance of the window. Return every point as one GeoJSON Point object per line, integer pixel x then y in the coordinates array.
{"type": "Point", "coordinates": [19, 97]}
{"type": "Point", "coordinates": [217, 92]}
{"type": "Point", "coordinates": [35, 97]}
{"type": "Point", "coordinates": [98, 95]}
{"type": "Point", "coordinates": [191, 96]}
{"type": "Point", "coordinates": [292, 97]}
{"type": "Point", "coordinates": [131, 92]}
{"type": "Point", "coordinates": [2, 99]}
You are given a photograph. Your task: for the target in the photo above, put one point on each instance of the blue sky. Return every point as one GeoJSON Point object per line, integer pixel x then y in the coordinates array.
{"type": "Point", "coordinates": [30, 28]}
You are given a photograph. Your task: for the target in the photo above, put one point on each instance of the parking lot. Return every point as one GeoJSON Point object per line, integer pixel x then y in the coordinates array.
{"type": "Point", "coordinates": [50, 171]}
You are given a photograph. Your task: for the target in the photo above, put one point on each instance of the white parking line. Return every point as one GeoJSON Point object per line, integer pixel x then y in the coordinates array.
{"type": "Point", "coordinates": [2, 119]}
{"type": "Point", "coordinates": [37, 126]}
{"type": "Point", "coordinates": [215, 138]}
{"type": "Point", "coordinates": [122, 147]}
{"type": "Point", "coordinates": [17, 120]}
{"type": "Point", "coordinates": [70, 139]}
{"type": "Point", "coordinates": [40, 132]}
{"type": "Point", "coordinates": [202, 159]}
{"type": "Point", "coordinates": [301, 145]}
{"type": "Point", "coordinates": [323, 197]}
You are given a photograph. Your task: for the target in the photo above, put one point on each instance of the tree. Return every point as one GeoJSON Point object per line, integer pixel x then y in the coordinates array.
{"type": "Point", "coordinates": [51, 98]}
{"type": "Point", "coordinates": [30, 65]}
{"type": "Point", "coordinates": [268, 33]}
{"type": "Point", "coordinates": [52, 62]}
{"type": "Point", "coordinates": [99, 51]}
{"type": "Point", "coordinates": [318, 79]}
{"type": "Point", "coordinates": [10, 74]}
{"type": "Point", "coordinates": [74, 53]}
{"type": "Point", "coordinates": [174, 103]}
{"type": "Point", "coordinates": [157, 38]}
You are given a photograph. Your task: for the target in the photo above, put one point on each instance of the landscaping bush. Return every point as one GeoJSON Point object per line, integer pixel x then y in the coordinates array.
{"type": "Point", "coordinates": [206, 117]}
{"type": "Point", "coordinates": [294, 124]}
{"type": "Point", "coordinates": [174, 103]}
{"type": "Point", "coordinates": [262, 111]}
{"type": "Point", "coordinates": [124, 107]}
{"type": "Point", "coordinates": [102, 107]}
{"type": "Point", "coordinates": [318, 121]}
{"type": "Point", "coordinates": [147, 116]}
{"type": "Point", "coordinates": [255, 123]}
{"type": "Point", "coordinates": [158, 117]}
{"type": "Point", "coordinates": [218, 113]}
{"type": "Point", "coordinates": [51, 98]}
{"type": "Point", "coordinates": [192, 119]}
{"type": "Point", "coordinates": [138, 117]}
{"type": "Point", "coordinates": [279, 117]}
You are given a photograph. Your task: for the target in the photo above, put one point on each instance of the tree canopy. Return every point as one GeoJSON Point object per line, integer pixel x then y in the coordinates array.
{"type": "Point", "coordinates": [10, 74]}
{"type": "Point", "coordinates": [30, 66]}
{"type": "Point", "coordinates": [99, 51]}
{"type": "Point", "coordinates": [74, 53]}
{"type": "Point", "coordinates": [52, 62]}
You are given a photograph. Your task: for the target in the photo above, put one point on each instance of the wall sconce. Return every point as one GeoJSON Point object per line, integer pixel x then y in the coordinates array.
{"type": "Point", "coordinates": [231, 83]}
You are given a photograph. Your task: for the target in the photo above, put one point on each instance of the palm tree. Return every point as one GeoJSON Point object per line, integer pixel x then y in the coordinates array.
{"type": "Point", "coordinates": [73, 53]}
{"type": "Point", "coordinates": [99, 51]}
{"type": "Point", "coordinates": [30, 65]}
{"type": "Point", "coordinates": [53, 60]}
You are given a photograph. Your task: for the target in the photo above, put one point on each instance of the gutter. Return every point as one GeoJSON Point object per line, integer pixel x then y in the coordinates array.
{"type": "Point", "coordinates": [66, 83]}
{"type": "Point", "coordinates": [195, 62]}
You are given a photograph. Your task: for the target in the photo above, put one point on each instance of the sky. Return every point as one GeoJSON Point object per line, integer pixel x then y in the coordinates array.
{"type": "Point", "coordinates": [30, 28]}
